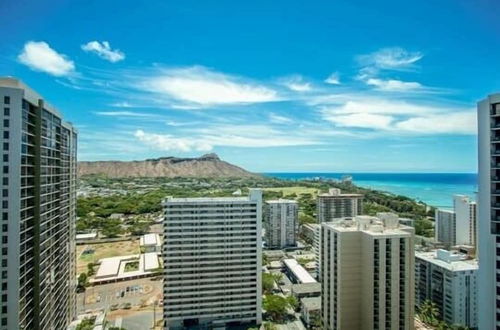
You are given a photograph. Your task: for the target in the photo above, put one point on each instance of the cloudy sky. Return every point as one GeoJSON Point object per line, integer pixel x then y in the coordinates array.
{"type": "Point", "coordinates": [349, 86]}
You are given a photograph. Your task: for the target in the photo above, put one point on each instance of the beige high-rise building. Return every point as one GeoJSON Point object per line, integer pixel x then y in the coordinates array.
{"type": "Point", "coordinates": [367, 274]}
{"type": "Point", "coordinates": [334, 205]}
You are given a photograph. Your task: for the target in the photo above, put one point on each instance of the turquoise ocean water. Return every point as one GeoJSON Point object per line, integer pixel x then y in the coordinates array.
{"type": "Point", "coordinates": [435, 189]}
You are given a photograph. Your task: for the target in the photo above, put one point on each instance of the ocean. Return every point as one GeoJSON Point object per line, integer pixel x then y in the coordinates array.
{"type": "Point", "coordinates": [436, 189]}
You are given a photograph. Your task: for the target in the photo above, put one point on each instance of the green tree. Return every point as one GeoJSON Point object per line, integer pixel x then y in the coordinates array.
{"type": "Point", "coordinates": [275, 307]}
{"type": "Point", "coordinates": [429, 313]}
{"type": "Point", "coordinates": [82, 282]}
{"type": "Point", "coordinates": [86, 324]}
{"type": "Point", "coordinates": [293, 302]}
{"type": "Point", "coordinates": [267, 282]}
{"type": "Point", "coordinates": [270, 326]}
{"type": "Point", "coordinates": [90, 269]}
{"type": "Point", "coordinates": [111, 228]}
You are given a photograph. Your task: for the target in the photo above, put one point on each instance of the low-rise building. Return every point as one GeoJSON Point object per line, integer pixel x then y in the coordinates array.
{"type": "Point", "coordinates": [450, 281]}
{"type": "Point", "coordinates": [297, 273]}
{"type": "Point", "coordinates": [311, 311]}
{"type": "Point", "coordinates": [305, 290]}
{"type": "Point", "coordinates": [150, 243]}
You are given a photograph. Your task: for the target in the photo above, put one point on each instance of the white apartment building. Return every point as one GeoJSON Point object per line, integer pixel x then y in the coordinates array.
{"type": "Point", "coordinates": [489, 212]}
{"type": "Point", "coordinates": [212, 256]}
{"type": "Point", "coordinates": [281, 221]}
{"type": "Point", "coordinates": [450, 281]}
{"type": "Point", "coordinates": [367, 274]}
{"type": "Point", "coordinates": [38, 183]}
{"type": "Point", "coordinates": [465, 220]}
{"type": "Point", "coordinates": [457, 226]}
{"type": "Point", "coordinates": [334, 204]}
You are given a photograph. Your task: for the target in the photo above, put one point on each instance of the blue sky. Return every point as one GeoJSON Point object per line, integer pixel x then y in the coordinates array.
{"type": "Point", "coordinates": [349, 86]}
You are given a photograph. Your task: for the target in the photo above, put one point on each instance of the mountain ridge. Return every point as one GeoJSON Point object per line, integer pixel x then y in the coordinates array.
{"type": "Point", "coordinates": [208, 165]}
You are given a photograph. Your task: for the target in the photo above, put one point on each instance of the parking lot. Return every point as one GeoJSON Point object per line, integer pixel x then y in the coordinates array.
{"type": "Point", "coordinates": [121, 295]}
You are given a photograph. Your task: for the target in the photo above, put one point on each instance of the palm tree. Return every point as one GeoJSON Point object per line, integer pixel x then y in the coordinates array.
{"type": "Point", "coordinates": [429, 312]}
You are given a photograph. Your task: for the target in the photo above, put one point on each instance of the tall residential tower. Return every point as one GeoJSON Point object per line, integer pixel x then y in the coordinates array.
{"type": "Point", "coordinates": [38, 180]}
{"type": "Point", "coordinates": [281, 223]}
{"type": "Point", "coordinates": [212, 256]}
{"type": "Point", "coordinates": [489, 212]}
{"type": "Point", "coordinates": [367, 274]}
{"type": "Point", "coordinates": [334, 204]}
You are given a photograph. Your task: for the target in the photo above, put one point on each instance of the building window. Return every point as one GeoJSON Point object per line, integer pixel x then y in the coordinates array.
{"type": "Point", "coordinates": [5, 146]}
{"type": "Point", "coordinates": [6, 99]}
{"type": "Point", "coordinates": [5, 157]}
{"type": "Point", "coordinates": [5, 134]}
{"type": "Point", "coordinates": [5, 181]}
{"type": "Point", "coordinates": [5, 169]}
{"type": "Point", "coordinates": [6, 111]}
{"type": "Point", "coordinates": [6, 123]}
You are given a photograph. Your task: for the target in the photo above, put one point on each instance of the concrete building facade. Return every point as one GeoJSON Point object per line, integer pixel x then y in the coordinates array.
{"type": "Point", "coordinates": [367, 274]}
{"type": "Point", "coordinates": [334, 204]}
{"type": "Point", "coordinates": [489, 211]}
{"type": "Point", "coordinates": [281, 221]}
{"type": "Point", "coordinates": [212, 256]}
{"type": "Point", "coordinates": [38, 214]}
{"type": "Point", "coordinates": [465, 220]}
{"type": "Point", "coordinates": [445, 227]}
{"type": "Point", "coordinates": [450, 281]}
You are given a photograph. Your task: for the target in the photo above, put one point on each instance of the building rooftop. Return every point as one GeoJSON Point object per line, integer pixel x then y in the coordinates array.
{"type": "Point", "coordinates": [334, 192]}
{"type": "Point", "coordinates": [304, 288]}
{"type": "Point", "coordinates": [298, 271]}
{"type": "Point", "coordinates": [386, 224]}
{"type": "Point", "coordinates": [205, 199]}
{"type": "Point", "coordinates": [448, 260]}
{"type": "Point", "coordinates": [311, 303]}
{"type": "Point", "coordinates": [150, 261]}
{"type": "Point", "coordinates": [86, 236]}
{"type": "Point", "coordinates": [281, 201]}
{"type": "Point", "coordinates": [150, 240]}
{"type": "Point", "coordinates": [114, 268]}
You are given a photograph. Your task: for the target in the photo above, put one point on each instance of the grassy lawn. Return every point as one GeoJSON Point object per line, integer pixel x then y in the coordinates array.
{"type": "Point", "coordinates": [295, 190]}
{"type": "Point", "coordinates": [105, 250]}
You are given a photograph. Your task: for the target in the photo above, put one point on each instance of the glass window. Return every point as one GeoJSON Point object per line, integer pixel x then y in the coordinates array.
{"type": "Point", "coordinates": [6, 99]}
{"type": "Point", "coordinates": [5, 123]}
{"type": "Point", "coordinates": [6, 111]}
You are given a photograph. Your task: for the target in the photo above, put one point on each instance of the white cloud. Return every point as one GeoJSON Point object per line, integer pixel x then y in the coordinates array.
{"type": "Point", "coordinates": [380, 106]}
{"type": "Point", "coordinates": [126, 114]}
{"type": "Point", "coordinates": [279, 119]}
{"type": "Point", "coordinates": [361, 120]}
{"type": "Point", "coordinates": [296, 83]}
{"type": "Point", "coordinates": [171, 143]}
{"type": "Point", "coordinates": [393, 85]}
{"type": "Point", "coordinates": [40, 57]}
{"type": "Point", "coordinates": [449, 123]}
{"type": "Point", "coordinates": [122, 105]}
{"type": "Point", "coordinates": [103, 50]}
{"type": "Point", "coordinates": [400, 117]}
{"type": "Point", "coordinates": [242, 136]}
{"type": "Point", "coordinates": [333, 79]}
{"type": "Point", "coordinates": [395, 58]}
{"type": "Point", "coordinates": [203, 87]}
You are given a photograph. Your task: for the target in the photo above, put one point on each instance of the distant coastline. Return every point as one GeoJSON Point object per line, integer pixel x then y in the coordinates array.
{"type": "Point", "coordinates": [435, 189]}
